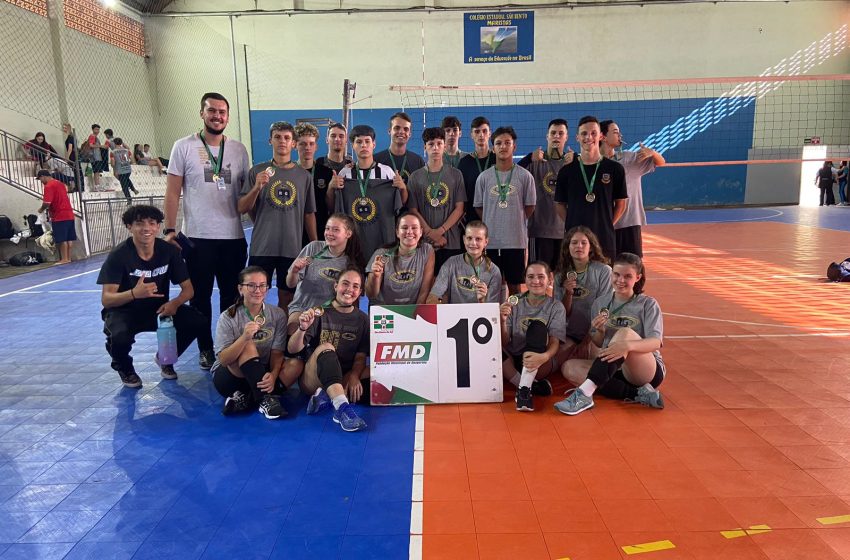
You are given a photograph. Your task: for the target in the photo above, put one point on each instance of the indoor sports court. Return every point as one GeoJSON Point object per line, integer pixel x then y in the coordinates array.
{"type": "Point", "coordinates": [750, 457]}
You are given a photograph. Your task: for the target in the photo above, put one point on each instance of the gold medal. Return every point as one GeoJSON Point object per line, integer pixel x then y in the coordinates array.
{"type": "Point", "coordinates": [590, 197]}
{"type": "Point", "coordinates": [215, 177]}
{"type": "Point", "coordinates": [318, 311]}
{"type": "Point", "coordinates": [270, 171]}
{"type": "Point", "coordinates": [571, 275]}
{"type": "Point", "coordinates": [475, 280]}
{"type": "Point", "coordinates": [363, 202]}
{"type": "Point", "coordinates": [513, 300]}
{"type": "Point", "coordinates": [435, 202]}
{"type": "Point", "coordinates": [604, 312]}
{"type": "Point", "coordinates": [260, 320]}
{"type": "Point", "coordinates": [503, 204]}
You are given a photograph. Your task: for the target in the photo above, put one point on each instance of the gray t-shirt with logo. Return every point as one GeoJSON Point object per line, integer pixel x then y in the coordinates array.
{"type": "Point", "coordinates": [545, 222]}
{"type": "Point", "coordinates": [402, 275]}
{"type": "Point", "coordinates": [271, 336]}
{"type": "Point", "coordinates": [550, 312]}
{"type": "Point", "coordinates": [210, 212]}
{"type": "Point", "coordinates": [374, 214]}
{"type": "Point", "coordinates": [642, 314]}
{"type": "Point", "coordinates": [454, 281]}
{"type": "Point", "coordinates": [279, 210]}
{"type": "Point", "coordinates": [635, 215]}
{"type": "Point", "coordinates": [123, 164]}
{"type": "Point", "coordinates": [436, 207]}
{"type": "Point", "coordinates": [508, 226]}
{"type": "Point", "coordinates": [591, 284]}
{"type": "Point", "coordinates": [316, 281]}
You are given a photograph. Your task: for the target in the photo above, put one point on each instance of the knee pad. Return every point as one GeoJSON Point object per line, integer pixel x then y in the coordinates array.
{"type": "Point", "coordinates": [536, 337]}
{"type": "Point", "coordinates": [328, 369]}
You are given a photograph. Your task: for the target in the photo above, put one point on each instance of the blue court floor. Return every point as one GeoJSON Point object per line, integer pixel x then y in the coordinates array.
{"type": "Point", "coordinates": [89, 469]}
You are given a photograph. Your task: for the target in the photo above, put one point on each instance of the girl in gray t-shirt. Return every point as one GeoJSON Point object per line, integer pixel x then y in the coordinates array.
{"type": "Point", "coordinates": [402, 273]}
{"type": "Point", "coordinates": [471, 277]}
{"type": "Point", "coordinates": [316, 269]}
{"type": "Point", "coordinates": [582, 276]}
{"type": "Point", "coordinates": [533, 327]}
{"type": "Point", "coordinates": [628, 326]}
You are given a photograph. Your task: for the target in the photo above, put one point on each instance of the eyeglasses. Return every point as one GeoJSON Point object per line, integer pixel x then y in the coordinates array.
{"type": "Point", "coordinates": [256, 287]}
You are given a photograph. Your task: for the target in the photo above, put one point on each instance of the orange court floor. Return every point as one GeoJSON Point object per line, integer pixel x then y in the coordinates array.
{"type": "Point", "coordinates": [749, 460]}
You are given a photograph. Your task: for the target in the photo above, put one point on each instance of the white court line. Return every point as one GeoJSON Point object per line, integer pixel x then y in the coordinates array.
{"type": "Point", "coordinates": [736, 277]}
{"type": "Point", "coordinates": [750, 323]}
{"type": "Point", "coordinates": [23, 290]}
{"type": "Point", "coordinates": [788, 335]}
{"type": "Point", "coordinates": [416, 505]}
{"type": "Point", "coordinates": [778, 213]}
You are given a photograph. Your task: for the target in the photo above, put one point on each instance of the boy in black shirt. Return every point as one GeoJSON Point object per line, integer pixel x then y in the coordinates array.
{"type": "Point", "coordinates": [474, 163]}
{"type": "Point", "coordinates": [135, 279]}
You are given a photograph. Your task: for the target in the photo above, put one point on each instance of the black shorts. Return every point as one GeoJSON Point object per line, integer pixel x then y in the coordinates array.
{"type": "Point", "coordinates": [511, 263]}
{"type": "Point", "coordinates": [274, 265]}
{"type": "Point", "coordinates": [629, 240]}
{"type": "Point", "coordinates": [544, 249]}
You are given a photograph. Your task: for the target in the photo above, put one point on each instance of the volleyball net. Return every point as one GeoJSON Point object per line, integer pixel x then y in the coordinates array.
{"type": "Point", "coordinates": [692, 122]}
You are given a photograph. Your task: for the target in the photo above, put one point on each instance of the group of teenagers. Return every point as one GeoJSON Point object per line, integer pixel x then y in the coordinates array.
{"type": "Point", "coordinates": [452, 228]}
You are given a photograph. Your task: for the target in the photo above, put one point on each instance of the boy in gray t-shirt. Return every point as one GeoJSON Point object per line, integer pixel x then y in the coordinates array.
{"type": "Point", "coordinates": [507, 219]}
{"type": "Point", "coordinates": [122, 167]}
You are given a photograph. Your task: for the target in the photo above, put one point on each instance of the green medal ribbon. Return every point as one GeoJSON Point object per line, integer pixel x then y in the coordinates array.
{"type": "Point", "coordinates": [312, 172]}
{"type": "Point", "coordinates": [504, 188]}
{"type": "Point", "coordinates": [471, 262]}
{"type": "Point", "coordinates": [216, 162]}
{"type": "Point", "coordinates": [453, 160]}
{"type": "Point", "coordinates": [321, 254]}
{"type": "Point", "coordinates": [434, 187]}
{"type": "Point", "coordinates": [588, 185]}
{"type": "Point", "coordinates": [362, 182]}
{"type": "Point", "coordinates": [262, 312]}
{"type": "Point", "coordinates": [486, 162]}
{"type": "Point", "coordinates": [613, 312]}
{"type": "Point", "coordinates": [395, 167]}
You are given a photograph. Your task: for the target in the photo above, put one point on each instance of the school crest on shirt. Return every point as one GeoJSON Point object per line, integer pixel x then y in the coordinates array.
{"type": "Point", "coordinates": [329, 273]}
{"type": "Point", "coordinates": [580, 292]}
{"type": "Point", "coordinates": [550, 181]}
{"type": "Point", "coordinates": [606, 178]}
{"type": "Point", "coordinates": [282, 194]}
{"type": "Point", "coordinates": [442, 197]}
{"type": "Point", "coordinates": [364, 209]}
{"type": "Point", "coordinates": [263, 334]}
{"type": "Point", "coordinates": [622, 321]}
{"type": "Point", "coordinates": [465, 283]}
{"type": "Point", "coordinates": [523, 324]}
{"type": "Point", "coordinates": [321, 184]}
{"type": "Point", "coordinates": [494, 191]}
{"type": "Point", "coordinates": [403, 276]}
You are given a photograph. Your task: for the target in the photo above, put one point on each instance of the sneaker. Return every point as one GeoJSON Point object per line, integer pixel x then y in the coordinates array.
{"type": "Point", "coordinates": [130, 379]}
{"type": "Point", "coordinates": [167, 372]}
{"type": "Point", "coordinates": [347, 418]}
{"type": "Point", "coordinates": [649, 398]}
{"type": "Point", "coordinates": [206, 359]}
{"type": "Point", "coordinates": [319, 402]}
{"type": "Point", "coordinates": [271, 408]}
{"type": "Point", "coordinates": [236, 403]}
{"type": "Point", "coordinates": [541, 388]}
{"type": "Point", "coordinates": [575, 403]}
{"type": "Point", "coordinates": [524, 400]}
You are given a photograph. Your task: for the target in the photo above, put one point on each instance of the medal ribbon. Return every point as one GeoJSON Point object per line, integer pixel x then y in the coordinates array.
{"type": "Point", "coordinates": [486, 162]}
{"type": "Point", "coordinates": [434, 188]}
{"type": "Point", "coordinates": [614, 312]}
{"type": "Point", "coordinates": [471, 262]}
{"type": "Point", "coordinates": [320, 254]}
{"type": "Point", "coordinates": [262, 312]}
{"type": "Point", "coordinates": [452, 160]}
{"type": "Point", "coordinates": [588, 186]}
{"type": "Point", "coordinates": [395, 167]}
{"type": "Point", "coordinates": [363, 182]}
{"type": "Point", "coordinates": [216, 162]}
{"type": "Point", "coordinates": [504, 188]}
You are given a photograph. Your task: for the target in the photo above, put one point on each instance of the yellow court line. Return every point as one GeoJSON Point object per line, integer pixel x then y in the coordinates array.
{"type": "Point", "coordinates": [648, 547]}
{"type": "Point", "coordinates": [753, 530]}
{"type": "Point", "coordinates": [834, 519]}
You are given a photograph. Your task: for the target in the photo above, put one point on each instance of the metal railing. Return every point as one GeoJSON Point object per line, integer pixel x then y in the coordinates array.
{"type": "Point", "coordinates": [104, 228]}
{"type": "Point", "coordinates": [20, 160]}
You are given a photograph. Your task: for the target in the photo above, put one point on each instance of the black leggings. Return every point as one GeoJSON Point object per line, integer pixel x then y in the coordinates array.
{"type": "Point", "coordinates": [126, 185]}
{"type": "Point", "coordinates": [619, 388]}
{"type": "Point", "coordinates": [536, 340]}
{"type": "Point", "coordinates": [226, 383]}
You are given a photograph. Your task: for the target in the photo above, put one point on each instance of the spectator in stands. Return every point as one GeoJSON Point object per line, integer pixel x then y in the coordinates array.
{"type": "Point", "coordinates": [71, 156]}
{"type": "Point", "coordinates": [122, 167]}
{"type": "Point", "coordinates": [107, 148]}
{"type": "Point", "coordinates": [824, 180]}
{"type": "Point", "coordinates": [147, 151]}
{"type": "Point", "coordinates": [60, 170]}
{"type": "Point", "coordinates": [95, 154]}
{"type": "Point", "coordinates": [209, 179]}
{"type": "Point", "coordinates": [38, 149]}
{"type": "Point", "coordinates": [61, 214]}
{"type": "Point", "coordinates": [142, 158]}
{"type": "Point", "coordinates": [135, 279]}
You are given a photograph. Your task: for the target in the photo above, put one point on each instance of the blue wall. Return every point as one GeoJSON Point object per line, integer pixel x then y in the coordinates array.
{"type": "Point", "coordinates": [728, 139]}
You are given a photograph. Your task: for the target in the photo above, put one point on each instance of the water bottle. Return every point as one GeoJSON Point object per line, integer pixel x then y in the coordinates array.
{"type": "Point", "coordinates": [166, 338]}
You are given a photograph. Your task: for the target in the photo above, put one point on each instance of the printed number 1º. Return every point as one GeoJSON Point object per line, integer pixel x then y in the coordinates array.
{"type": "Point", "coordinates": [460, 334]}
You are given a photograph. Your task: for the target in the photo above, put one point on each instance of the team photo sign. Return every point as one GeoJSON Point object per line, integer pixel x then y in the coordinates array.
{"type": "Point", "coordinates": [435, 354]}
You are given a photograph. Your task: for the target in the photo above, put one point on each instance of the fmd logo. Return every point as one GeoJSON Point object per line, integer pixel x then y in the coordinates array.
{"type": "Point", "coordinates": [403, 352]}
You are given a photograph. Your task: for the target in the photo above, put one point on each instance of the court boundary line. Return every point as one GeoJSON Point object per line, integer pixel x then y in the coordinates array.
{"type": "Point", "coordinates": [417, 494]}
{"type": "Point", "coordinates": [825, 329]}
{"type": "Point", "coordinates": [765, 218]}
{"type": "Point", "coordinates": [49, 282]}
{"type": "Point", "coordinates": [755, 335]}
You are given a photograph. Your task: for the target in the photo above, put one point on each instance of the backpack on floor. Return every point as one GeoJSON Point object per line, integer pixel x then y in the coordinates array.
{"type": "Point", "coordinates": [6, 229]}
{"type": "Point", "coordinates": [27, 258]}
{"type": "Point", "coordinates": [36, 230]}
{"type": "Point", "coordinates": [839, 272]}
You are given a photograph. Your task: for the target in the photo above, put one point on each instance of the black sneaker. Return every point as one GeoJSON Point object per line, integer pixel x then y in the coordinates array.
{"type": "Point", "coordinates": [271, 408]}
{"type": "Point", "coordinates": [236, 403]}
{"type": "Point", "coordinates": [524, 400]}
{"type": "Point", "coordinates": [167, 372]}
{"type": "Point", "coordinates": [130, 379]}
{"type": "Point", "coordinates": [541, 388]}
{"type": "Point", "coordinates": [206, 359]}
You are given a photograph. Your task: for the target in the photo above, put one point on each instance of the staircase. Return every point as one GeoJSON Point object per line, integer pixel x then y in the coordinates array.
{"type": "Point", "coordinates": [20, 161]}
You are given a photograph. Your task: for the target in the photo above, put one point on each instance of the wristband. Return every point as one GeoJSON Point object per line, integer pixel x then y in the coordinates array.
{"type": "Point", "coordinates": [166, 231]}
{"type": "Point", "coordinates": [132, 294]}
{"type": "Point", "coordinates": [303, 330]}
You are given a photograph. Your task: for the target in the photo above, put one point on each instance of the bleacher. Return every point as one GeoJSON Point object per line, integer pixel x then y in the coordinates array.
{"type": "Point", "coordinates": [145, 178]}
